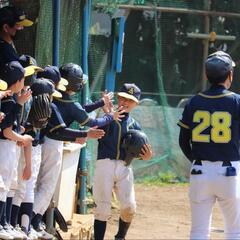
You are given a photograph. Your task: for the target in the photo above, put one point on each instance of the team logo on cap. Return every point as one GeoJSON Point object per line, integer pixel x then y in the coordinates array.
{"type": "Point", "coordinates": [31, 61]}
{"type": "Point", "coordinates": [131, 91]}
{"type": "Point", "coordinates": [22, 17]}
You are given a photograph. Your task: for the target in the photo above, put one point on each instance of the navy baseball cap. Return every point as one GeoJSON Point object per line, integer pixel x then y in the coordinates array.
{"type": "Point", "coordinates": [130, 91]}
{"type": "Point", "coordinates": [218, 64]}
{"type": "Point", "coordinates": [29, 62]}
{"type": "Point", "coordinates": [43, 86]}
{"type": "Point", "coordinates": [13, 72]}
{"type": "Point", "coordinates": [52, 73]}
{"type": "Point", "coordinates": [12, 15]}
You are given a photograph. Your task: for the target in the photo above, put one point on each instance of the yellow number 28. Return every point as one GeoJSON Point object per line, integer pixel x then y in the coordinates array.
{"type": "Point", "coordinates": [219, 122]}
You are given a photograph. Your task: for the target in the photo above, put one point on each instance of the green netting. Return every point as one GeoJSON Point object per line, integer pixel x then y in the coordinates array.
{"type": "Point", "coordinates": [168, 66]}
{"type": "Point", "coordinates": [158, 56]}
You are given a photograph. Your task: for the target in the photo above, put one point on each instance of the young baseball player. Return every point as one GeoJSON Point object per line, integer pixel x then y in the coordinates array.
{"type": "Point", "coordinates": [26, 172]}
{"type": "Point", "coordinates": [13, 73]}
{"type": "Point", "coordinates": [209, 138]}
{"type": "Point", "coordinates": [52, 156]}
{"type": "Point", "coordinates": [40, 112]}
{"type": "Point", "coordinates": [111, 171]}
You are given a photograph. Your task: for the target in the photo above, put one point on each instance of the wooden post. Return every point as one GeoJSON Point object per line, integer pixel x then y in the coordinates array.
{"type": "Point", "coordinates": [207, 6]}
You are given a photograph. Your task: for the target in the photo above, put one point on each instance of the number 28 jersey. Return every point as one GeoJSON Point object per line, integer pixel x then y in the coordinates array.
{"type": "Point", "coordinates": [213, 117]}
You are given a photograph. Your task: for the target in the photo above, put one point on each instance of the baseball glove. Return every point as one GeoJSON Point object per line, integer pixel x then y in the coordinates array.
{"type": "Point", "coordinates": [40, 111]}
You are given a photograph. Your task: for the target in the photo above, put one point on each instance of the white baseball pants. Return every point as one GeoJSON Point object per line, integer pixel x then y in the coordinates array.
{"type": "Point", "coordinates": [207, 188]}
{"type": "Point", "coordinates": [113, 175]}
{"type": "Point", "coordinates": [25, 189]}
{"type": "Point", "coordinates": [8, 159]}
{"type": "Point", "coordinates": [50, 169]}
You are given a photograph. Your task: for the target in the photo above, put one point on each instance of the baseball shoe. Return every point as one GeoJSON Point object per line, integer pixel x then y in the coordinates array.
{"type": "Point", "coordinates": [19, 230]}
{"type": "Point", "coordinates": [32, 234]}
{"type": "Point", "coordinates": [13, 232]}
{"type": "Point", "coordinates": [42, 234]}
{"type": "Point", "coordinates": [4, 235]}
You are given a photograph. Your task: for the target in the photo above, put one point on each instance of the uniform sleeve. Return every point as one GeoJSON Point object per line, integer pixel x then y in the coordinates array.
{"type": "Point", "coordinates": [80, 115]}
{"type": "Point", "coordinates": [93, 106]}
{"type": "Point", "coordinates": [55, 122]}
{"type": "Point", "coordinates": [68, 134]}
{"type": "Point", "coordinates": [8, 108]}
{"type": "Point", "coordinates": [185, 143]}
{"type": "Point", "coordinates": [100, 122]}
{"type": "Point", "coordinates": [185, 122]}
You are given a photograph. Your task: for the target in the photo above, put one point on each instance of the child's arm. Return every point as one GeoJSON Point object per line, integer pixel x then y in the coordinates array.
{"type": "Point", "coordinates": [74, 135]}
{"type": "Point", "coordinates": [105, 102]}
{"type": "Point", "coordinates": [27, 171]}
{"type": "Point", "coordinates": [11, 135]}
{"type": "Point", "coordinates": [106, 119]}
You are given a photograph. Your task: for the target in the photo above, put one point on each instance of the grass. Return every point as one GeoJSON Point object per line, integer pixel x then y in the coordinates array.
{"type": "Point", "coordinates": [162, 179]}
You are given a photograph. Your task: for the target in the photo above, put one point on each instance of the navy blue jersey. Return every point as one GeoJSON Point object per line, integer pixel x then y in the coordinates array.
{"type": "Point", "coordinates": [55, 122]}
{"type": "Point", "coordinates": [73, 111]}
{"type": "Point", "coordinates": [70, 110]}
{"type": "Point", "coordinates": [213, 119]}
{"type": "Point", "coordinates": [110, 145]}
{"type": "Point", "coordinates": [7, 53]}
{"type": "Point", "coordinates": [11, 109]}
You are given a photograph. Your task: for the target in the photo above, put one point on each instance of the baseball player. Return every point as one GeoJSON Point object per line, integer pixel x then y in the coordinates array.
{"type": "Point", "coordinates": [26, 173]}
{"type": "Point", "coordinates": [111, 171]}
{"type": "Point", "coordinates": [40, 112]}
{"type": "Point", "coordinates": [52, 148]}
{"type": "Point", "coordinates": [209, 138]}
{"type": "Point", "coordinates": [13, 73]}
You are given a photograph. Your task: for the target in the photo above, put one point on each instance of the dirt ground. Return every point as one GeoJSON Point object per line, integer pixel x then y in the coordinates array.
{"type": "Point", "coordinates": [163, 213]}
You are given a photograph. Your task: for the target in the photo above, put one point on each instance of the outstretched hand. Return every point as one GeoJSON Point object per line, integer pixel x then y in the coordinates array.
{"type": "Point", "coordinates": [118, 114]}
{"type": "Point", "coordinates": [95, 133]}
{"type": "Point", "coordinates": [107, 99]}
{"type": "Point", "coordinates": [81, 140]}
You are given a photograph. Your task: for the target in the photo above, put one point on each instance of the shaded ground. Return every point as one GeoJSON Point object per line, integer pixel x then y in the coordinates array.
{"type": "Point", "coordinates": [163, 213]}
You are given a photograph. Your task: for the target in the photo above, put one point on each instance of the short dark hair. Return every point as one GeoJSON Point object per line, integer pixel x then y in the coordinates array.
{"type": "Point", "coordinates": [7, 16]}
{"type": "Point", "coordinates": [215, 81]}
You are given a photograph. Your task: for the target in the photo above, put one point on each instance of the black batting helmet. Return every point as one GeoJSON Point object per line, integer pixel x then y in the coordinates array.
{"type": "Point", "coordinates": [132, 143]}
{"type": "Point", "coordinates": [74, 75]}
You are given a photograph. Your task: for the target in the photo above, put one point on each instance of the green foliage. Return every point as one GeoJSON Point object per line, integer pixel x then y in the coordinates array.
{"type": "Point", "coordinates": [161, 179]}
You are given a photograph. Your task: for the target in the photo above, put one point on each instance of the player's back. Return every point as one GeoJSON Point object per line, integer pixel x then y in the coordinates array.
{"type": "Point", "coordinates": [214, 119]}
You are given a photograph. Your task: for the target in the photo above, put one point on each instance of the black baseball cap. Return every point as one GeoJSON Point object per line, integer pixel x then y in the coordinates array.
{"type": "Point", "coordinates": [130, 91]}
{"type": "Point", "coordinates": [218, 64]}
{"type": "Point", "coordinates": [52, 73]}
{"type": "Point", "coordinates": [43, 86]}
{"type": "Point", "coordinates": [12, 15]}
{"type": "Point", "coordinates": [13, 72]}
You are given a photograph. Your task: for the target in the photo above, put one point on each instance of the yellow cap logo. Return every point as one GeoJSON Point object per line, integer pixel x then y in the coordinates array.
{"type": "Point", "coordinates": [131, 91]}
{"type": "Point", "coordinates": [30, 61]}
